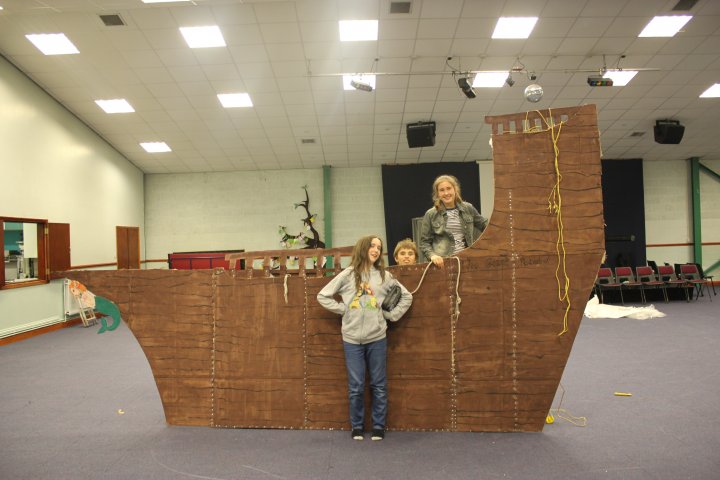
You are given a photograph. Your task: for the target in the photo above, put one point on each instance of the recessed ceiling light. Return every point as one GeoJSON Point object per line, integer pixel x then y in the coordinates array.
{"type": "Point", "coordinates": [233, 100]}
{"type": "Point", "coordinates": [116, 105]}
{"type": "Point", "coordinates": [203, 37]}
{"type": "Point", "coordinates": [514, 27]}
{"type": "Point", "coordinates": [358, 30]}
{"type": "Point", "coordinates": [490, 79]}
{"type": "Point", "coordinates": [665, 26]}
{"type": "Point", "coordinates": [620, 78]}
{"type": "Point", "coordinates": [361, 79]}
{"type": "Point", "coordinates": [712, 92]}
{"type": "Point", "coordinates": [53, 43]}
{"type": "Point", "coordinates": [155, 147]}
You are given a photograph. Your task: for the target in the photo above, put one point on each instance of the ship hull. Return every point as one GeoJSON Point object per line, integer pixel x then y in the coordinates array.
{"type": "Point", "coordinates": [234, 348]}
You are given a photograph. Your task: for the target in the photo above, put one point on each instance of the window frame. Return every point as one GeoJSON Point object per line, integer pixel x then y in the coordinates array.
{"type": "Point", "coordinates": [42, 273]}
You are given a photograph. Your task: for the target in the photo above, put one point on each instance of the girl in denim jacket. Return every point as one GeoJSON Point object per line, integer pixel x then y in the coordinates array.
{"type": "Point", "coordinates": [451, 224]}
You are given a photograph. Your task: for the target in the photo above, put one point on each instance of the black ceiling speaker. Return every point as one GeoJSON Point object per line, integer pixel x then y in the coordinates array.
{"type": "Point", "coordinates": [421, 134]}
{"type": "Point", "coordinates": [668, 131]}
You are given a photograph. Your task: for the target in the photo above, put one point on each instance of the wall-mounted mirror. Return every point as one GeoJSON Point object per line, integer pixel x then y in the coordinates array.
{"type": "Point", "coordinates": [23, 251]}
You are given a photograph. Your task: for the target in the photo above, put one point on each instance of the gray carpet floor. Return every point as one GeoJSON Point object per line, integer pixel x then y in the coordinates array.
{"type": "Point", "coordinates": [77, 405]}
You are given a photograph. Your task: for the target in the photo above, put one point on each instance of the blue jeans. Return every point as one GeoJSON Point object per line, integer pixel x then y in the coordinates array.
{"type": "Point", "coordinates": [357, 357]}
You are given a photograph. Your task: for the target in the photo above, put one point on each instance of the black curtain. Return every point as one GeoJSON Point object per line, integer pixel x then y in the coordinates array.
{"type": "Point", "coordinates": [407, 193]}
{"type": "Point", "coordinates": [624, 206]}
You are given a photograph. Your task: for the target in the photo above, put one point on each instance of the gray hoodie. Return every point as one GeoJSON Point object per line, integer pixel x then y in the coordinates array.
{"type": "Point", "coordinates": [363, 319]}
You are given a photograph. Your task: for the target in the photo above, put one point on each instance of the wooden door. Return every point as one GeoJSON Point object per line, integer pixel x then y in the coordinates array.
{"type": "Point", "coordinates": [58, 247]}
{"type": "Point", "coordinates": [128, 247]}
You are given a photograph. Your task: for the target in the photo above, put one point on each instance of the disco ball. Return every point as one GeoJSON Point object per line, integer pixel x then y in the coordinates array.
{"type": "Point", "coordinates": [533, 93]}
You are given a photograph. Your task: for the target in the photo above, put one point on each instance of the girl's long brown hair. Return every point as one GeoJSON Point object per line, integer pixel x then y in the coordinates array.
{"type": "Point", "coordinates": [359, 261]}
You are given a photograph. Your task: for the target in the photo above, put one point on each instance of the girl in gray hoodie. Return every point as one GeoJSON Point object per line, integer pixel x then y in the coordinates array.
{"type": "Point", "coordinates": [363, 287]}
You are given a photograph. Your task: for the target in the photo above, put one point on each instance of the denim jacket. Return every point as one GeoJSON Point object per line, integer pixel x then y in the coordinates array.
{"type": "Point", "coordinates": [435, 240]}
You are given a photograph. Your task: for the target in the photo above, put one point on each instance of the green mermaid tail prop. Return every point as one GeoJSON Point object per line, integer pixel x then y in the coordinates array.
{"type": "Point", "coordinates": [106, 307]}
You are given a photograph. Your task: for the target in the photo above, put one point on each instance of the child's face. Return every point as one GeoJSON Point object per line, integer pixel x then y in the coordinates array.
{"type": "Point", "coordinates": [405, 256]}
{"type": "Point", "coordinates": [446, 193]}
{"type": "Point", "coordinates": [375, 250]}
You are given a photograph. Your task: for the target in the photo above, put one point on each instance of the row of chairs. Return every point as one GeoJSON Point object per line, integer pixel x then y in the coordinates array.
{"type": "Point", "coordinates": [689, 279]}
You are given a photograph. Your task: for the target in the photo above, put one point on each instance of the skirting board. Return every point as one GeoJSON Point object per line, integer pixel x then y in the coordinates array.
{"type": "Point", "coordinates": [8, 332]}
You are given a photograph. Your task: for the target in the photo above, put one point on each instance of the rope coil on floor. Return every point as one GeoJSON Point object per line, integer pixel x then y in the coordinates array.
{"type": "Point", "coordinates": [562, 413]}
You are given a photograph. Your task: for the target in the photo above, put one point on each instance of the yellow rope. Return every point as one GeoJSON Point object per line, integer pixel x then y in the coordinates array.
{"type": "Point", "coordinates": [457, 285]}
{"type": "Point", "coordinates": [454, 316]}
{"type": "Point", "coordinates": [555, 206]}
{"type": "Point", "coordinates": [457, 290]}
{"type": "Point", "coordinates": [560, 412]}
{"type": "Point", "coordinates": [422, 278]}
{"type": "Point", "coordinates": [285, 287]}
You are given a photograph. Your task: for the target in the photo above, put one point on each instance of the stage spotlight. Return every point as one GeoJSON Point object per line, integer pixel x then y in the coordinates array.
{"type": "Point", "coordinates": [599, 81]}
{"type": "Point", "coordinates": [360, 85]}
{"type": "Point", "coordinates": [509, 80]}
{"type": "Point", "coordinates": [466, 88]}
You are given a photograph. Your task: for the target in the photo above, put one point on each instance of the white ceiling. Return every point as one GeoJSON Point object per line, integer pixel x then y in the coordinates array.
{"type": "Point", "coordinates": [281, 53]}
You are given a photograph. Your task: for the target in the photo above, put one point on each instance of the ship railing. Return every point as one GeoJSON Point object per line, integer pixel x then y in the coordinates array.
{"type": "Point", "coordinates": [317, 262]}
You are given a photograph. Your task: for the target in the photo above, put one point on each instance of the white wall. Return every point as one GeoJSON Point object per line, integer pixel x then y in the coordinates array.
{"type": "Point", "coordinates": [487, 187]}
{"type": "Point", "coordinates": [243, 210]}
{"type": "Point", "coordinates": [357, 205]}
{"type": "Point", "coordinates": [227, 211]}
{"type": "Point", "coordinates": [668, 211]}
{"type": "Point", "coordinates": [207, 211]}
{"type": "Point", "coordinates": [55, 168]}
{"type": "Point", "coordinates": [710, 211]}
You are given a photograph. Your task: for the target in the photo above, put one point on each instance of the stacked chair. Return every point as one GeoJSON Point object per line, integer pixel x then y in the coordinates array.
{"type": "Point", "coordinates": [690, 273]}
{"type": "Point", "coordinates": [666, 273]}
{"type": "Point", "coordinates": [605, 280]}
{"type": "Point", "coordinates": [688, 277]}
{"type": "Point", "coordinates": [649, 280]}
{"type": "Point", "coordinates": [626, 278]}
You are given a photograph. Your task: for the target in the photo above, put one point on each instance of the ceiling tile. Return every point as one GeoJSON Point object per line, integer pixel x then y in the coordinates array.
{"type": "Point", "coordinates": [288, 56]}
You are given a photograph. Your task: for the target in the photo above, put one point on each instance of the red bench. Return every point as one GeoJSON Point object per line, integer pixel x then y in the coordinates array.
{"type": "Point", "coordinates": [201, 260]}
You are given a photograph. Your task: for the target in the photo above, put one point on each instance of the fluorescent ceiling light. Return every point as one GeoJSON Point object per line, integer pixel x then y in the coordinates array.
{"type": "Point", "coordinates": [665, 26]}
{"type": "Point", "coordinates": [203, 37]}
{"type": "Point", "coordinates": [514, 27]}
{"type": "Point", "coordinates": [53, 43]}
{"type": "Point", "coordinates": [155, 147]}
{"type": "Point", "coordinates": [369, 79]}
{"type": "Point", "coordinates": [163, 1]}
{"type": "Point", "coordinates": [358, 30]}
{"type": "Point", "coordinates": [490, 79]}
{"type": "Point", "coordinates": [620, 78]}
{"type": "Point", "coordinates": [712, 92]}
{"type": "Point", "coordinates": [233, 100]}
{"type": "Point", "coordinates": [116, 105]}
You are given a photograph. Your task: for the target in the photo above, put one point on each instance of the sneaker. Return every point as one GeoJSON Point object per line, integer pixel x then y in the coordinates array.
{"type": "Point", "coordinates": [357, 434]}
{"type": "Point", "coordinates": [378, 434]}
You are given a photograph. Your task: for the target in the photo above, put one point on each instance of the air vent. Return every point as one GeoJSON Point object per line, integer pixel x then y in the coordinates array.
{"type": "Point", "coordinates": [307, 140]}
{"type": "Point", "coordinates": [112, 20]}
{"type": "Point", "coordinates": [637, 134]}
{"type": "Point", "coordinates": [402, 7]}
{"type": "Point", "coordinates": [684, 5]}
